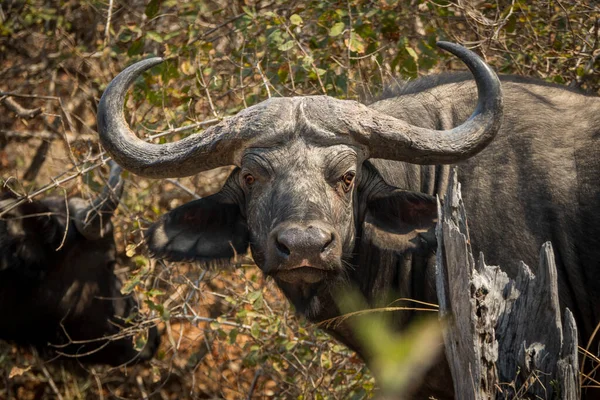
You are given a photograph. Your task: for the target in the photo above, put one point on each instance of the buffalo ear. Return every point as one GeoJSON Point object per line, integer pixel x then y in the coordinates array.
{"type": "Point", "coordinates": [29, 236]}
{"type": "Point", "coordinates": [401, 220]}
{"type": "Point", "coordinates": [207, 229]}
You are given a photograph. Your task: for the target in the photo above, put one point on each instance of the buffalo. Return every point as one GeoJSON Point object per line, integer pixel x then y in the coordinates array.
{"type": "Point", "coordinates": [58, 288]}
{"type": "Point", "coordinates": [332, 193]}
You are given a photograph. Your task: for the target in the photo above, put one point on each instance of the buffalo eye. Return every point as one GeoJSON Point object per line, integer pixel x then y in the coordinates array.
{"type": "Point", "coordinates": [347, 180]}
{"type": "Point", "coordinates": [249, 179]}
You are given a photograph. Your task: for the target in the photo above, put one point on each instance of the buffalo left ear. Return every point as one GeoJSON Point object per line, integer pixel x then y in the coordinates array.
{"type": "Point", "coordinates": [401, 220]}
{"type": "Point", "coordinates": [207, 229]}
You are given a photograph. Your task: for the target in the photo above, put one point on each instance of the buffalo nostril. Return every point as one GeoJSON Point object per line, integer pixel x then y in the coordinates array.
{"type": "Point", "coordinates": [328, 244]}
{"type": "Point", "coordinates": [282, 248]}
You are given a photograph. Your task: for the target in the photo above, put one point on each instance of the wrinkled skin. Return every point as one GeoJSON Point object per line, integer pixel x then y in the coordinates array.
{"type": "Point", "coordinates": [298, 188]}
{"type": "Point", "coordinates": [58, 290]}
{"type": "Point", "coordinates": [315, 233]}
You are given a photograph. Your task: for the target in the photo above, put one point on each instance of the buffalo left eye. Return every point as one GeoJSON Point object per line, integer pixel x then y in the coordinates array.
{"type": "Point", "coordinates": [347, 180]}
{"type": "Point", "coordinates": [249, 179]}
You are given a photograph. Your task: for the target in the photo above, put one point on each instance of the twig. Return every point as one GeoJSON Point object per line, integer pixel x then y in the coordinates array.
{"type": "Point", "coordinates": [98, 383]}
{"type": "Point", "coordinates": [108, 20]}
{"type": "Point", "coordinates": [254, 382]}
{"type": "Point", "coordinates": [66, 232]}
{"type": "Point", "coordinates": [312, 63]}
{"type": "Point", "coordinates": [140, 383]}
{"type": "Point", "coordinates": [184, 128]}
{"type": "Point", "coordinates": [183, 188]}
{"type": "Point", "coordinates": [37, 161]}
{"type": "Point", "coordinates": [53, 185]}
{"type": "Point", "coordinates": [210, 102]}
{"type": "Point", "coordinates": [195, 319]}
{"type": "Point", "coordinates": [241, 67]}
{"type": "Point", "coordinates": [18, 109]}
{"type": "Point", "coordinates": [264, 78]}
{"type": "Point", "coordinates": [43, 135]}
{"type": "Point", "coordinates": [57, 182]}
{"type": "Point", "coordinates": [46, 374]}
{"type": "Point", "coordinates": [28, 96]}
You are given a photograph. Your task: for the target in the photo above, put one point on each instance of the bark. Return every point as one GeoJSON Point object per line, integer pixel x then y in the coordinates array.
{"type": "Point", "coordinates": [504, 338]}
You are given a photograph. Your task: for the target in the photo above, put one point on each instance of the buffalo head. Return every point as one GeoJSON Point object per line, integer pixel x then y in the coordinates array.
{"type": "Point", "coordinates": [303, 188]}
{"type": "Point", "coordinates": [57, 280]}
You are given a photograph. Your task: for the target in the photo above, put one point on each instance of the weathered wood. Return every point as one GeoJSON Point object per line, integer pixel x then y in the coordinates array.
{"type": "Point", "coordinates": [504, 337]}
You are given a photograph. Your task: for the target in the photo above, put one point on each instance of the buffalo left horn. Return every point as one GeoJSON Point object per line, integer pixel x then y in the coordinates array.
{"type": "Point", "coordinates": [390, 138]}
{"type": "Point", "coordinates": [92, 221]}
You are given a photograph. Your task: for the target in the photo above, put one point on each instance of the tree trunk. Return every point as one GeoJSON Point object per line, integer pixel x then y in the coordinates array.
{"type": "Point", "coordinates": [504, 338]}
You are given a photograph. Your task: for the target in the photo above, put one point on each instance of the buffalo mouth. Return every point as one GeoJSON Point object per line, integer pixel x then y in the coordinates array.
{"type": "Point", "coordinates": [303, 275]}
{"type": "Point", "coordinates": [306, 288]}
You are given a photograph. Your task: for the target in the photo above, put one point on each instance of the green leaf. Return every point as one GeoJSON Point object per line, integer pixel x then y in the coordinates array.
{"type": "Point", "coordinates": [152, 35]}
{"type": "Point", "coordinates": [326, 360]}
{"type": "Point", "coordinates": [286, 46]}
{"type": "Point", "coordinates": [255, 330]}
{"type": "Point", "coordinates": [253, 296]}
{"type": "Point", "coordinates": [295, 19]}
{"type": "Point", "coordinates": [397, 358]}
{"type": "Point", "coordinates": [164, 313]}
{"type": "Point", "coordinates": [136, 47]}
{"type": "Point", "coordinates": [141, 261]}
{"type": "Point", "coordinates": [152, 8]}
{"type": "Point", "coordinates": [140, 341]}
{"type": "Point", "coordinates": [233, 336]}
{"type": "Point", "coordinates": [249, 11]}
{"type": "Point", "coordinates": [130, 284]}
{"type": "Point", "coordinates": [275, 37]}
{"type": "Point", "coordinates": [154, 292]}
{"type": "Point", "coordinates": [411, 52]}
{"type": "Point", "coordinates": [337, 29]}
{"type": "Point", "coordinates": [511, 24]}
{"type": "Point", "coordinates": [290, 345]}
{"type": "Point", "coordinates": [283, 73]}
{"type": "Point", "coordinates": [356, 43]}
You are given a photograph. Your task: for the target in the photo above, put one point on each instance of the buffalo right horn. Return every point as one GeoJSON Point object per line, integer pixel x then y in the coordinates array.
{"type": "Point", "coordinates": [91, 221]}
{"type": "Point", "coordinates": [215, 147]}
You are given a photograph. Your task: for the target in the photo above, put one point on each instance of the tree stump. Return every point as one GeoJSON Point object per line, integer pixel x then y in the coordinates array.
{"type": "Point", "coordinates": [504, 338]}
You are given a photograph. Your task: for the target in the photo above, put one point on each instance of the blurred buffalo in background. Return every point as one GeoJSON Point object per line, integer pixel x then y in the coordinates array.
{"type": "Point", "coordinates": [58, 288]}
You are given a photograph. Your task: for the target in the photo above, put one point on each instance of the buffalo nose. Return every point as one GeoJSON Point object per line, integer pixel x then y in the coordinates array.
{"type": "Point", "coordinates": [303, 242]}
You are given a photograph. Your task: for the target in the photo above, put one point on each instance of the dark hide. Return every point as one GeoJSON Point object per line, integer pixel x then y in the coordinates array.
{"type": "Point", "coordinates": [58, 290]}
{"type": "Point", "coordinates": [536, 182]}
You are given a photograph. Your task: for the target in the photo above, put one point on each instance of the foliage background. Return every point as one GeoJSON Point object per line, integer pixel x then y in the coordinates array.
{"type": "Point", "coordinates": [228, 333]}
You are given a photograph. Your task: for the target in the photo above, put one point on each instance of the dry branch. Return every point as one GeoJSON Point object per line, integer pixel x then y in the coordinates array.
{"type": "Point", "coordinates": [19, 136]}
{"type": "Point", "coordinates": [18, 109]}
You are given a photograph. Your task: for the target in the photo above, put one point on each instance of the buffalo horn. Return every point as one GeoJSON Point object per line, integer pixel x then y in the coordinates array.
{"type": "Point", "coordinates": [390, 138]}
{"type": "Point", "coordinates": [91, 221]}
{"type": "Point", "coordinates": [425, 146]}
{"type": "Point", "coordinates": [215, 147]}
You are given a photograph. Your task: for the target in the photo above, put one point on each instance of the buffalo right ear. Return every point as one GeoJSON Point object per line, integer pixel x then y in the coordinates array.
{"type": "Point", "coordinates": [401, 220]}
{"type": "Point", "coordinates": [207, 229]}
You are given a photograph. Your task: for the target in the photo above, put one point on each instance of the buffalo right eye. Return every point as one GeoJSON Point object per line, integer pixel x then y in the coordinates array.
{"type": "Point", "coordinates": [347, 180]}
{"type": "Point", "coordinates": [249, 179]}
